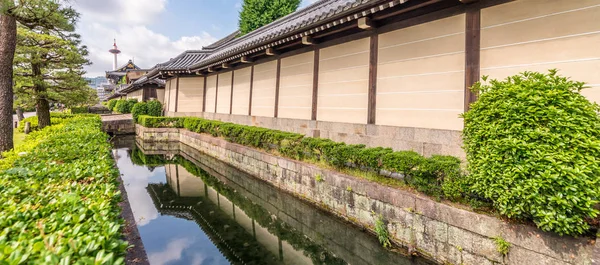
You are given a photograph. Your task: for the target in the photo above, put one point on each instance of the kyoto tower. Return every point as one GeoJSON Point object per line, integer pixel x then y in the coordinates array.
{"type": "Point", "coordinates": [115, 51]}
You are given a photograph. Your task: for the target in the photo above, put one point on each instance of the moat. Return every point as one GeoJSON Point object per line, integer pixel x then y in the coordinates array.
{"type": "Point", "coordinates": [193, 209]}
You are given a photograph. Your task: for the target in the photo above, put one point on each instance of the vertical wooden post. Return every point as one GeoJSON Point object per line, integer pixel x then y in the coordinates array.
{"type": "Point", "coordinates": [204, 95]}
{"type": "Point", "coordinates": [177, 94]}
{"type": "Point", "coordinates": [231, 95]}
{"type": "Point", "coordinates": [472, 51]}
{"type": "Point", "coordinates": [372, 98]}
{"type": "Point", "coordinates": [251, 85]}
{"type": "Point", "coordinates": [168, 101]}
{"type": "Point", "coordinates": [315, 91]}
{"type": "Point", "coordinates": [217, 93]}
{"type": "Point", "coordinates": [277, 75]}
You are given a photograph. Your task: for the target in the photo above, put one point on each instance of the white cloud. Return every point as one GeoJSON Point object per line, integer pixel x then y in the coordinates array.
{"type": "Point", "coordinates": [171, 253]}
{"type": "Point", "coordinates": [128, 22]}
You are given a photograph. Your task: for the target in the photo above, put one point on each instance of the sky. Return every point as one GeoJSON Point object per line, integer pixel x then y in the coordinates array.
{"type": "Point", "coordinates": [152, 31]}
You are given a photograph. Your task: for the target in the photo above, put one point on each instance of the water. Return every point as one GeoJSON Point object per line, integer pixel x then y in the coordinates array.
{"type": "Point", "coordinates": [193, 209]}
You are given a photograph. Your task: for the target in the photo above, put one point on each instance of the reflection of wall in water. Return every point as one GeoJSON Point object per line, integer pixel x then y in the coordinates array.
{"type": "Point", "coordinates": [184, 184]}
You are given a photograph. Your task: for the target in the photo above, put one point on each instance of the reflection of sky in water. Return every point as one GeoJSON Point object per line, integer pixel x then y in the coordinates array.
{"type": "Point", "coordinates": [184, 243]}
{"type": "Point", "coordinates": [136, 178]}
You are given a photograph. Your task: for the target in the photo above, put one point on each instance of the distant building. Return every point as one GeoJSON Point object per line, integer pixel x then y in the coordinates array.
{"type": "Point", "coordinates": [98, 84]}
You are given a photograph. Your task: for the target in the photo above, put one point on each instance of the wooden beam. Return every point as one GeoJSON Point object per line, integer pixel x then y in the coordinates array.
{"type": "Point", "coordinates": [472, 52]}
{"type": "Point", "coordinates": [210, 69]}
{"type": "Point", "coordinates": [251, 85]}
{"type": "Point", "coordinates": [271, 52]}
{"type": "Point", "coordinates": [225, 65]}
{"type": "Point", "coordinates": [245, 59]}
{"type": "Point", "coordinates": [307, 40]}
{"type": "Point", "coordinates": [204, 95]}
{"type": "Point", "coordinates": [199, 73]}
{"type": "Point", "coordinates": [365, 23]}
{"type": "Point", "coordinates": [315, 90]}
{"type": "Point", "coordinates": [372, 104]}
{"type": "Point", "coordinates": [177, 94]}
{"type": "Point", "coordinates": [277, 81]}
{"type": "Point", "coordinates": [231, 94]}
{"type": "Point", "coordinates": [216, 93]}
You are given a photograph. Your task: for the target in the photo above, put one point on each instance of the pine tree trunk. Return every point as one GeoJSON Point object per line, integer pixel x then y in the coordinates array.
{"type": "Point", "coordinates": [8, 42]}
{"type": "Point", "coordinates": [43, 112]}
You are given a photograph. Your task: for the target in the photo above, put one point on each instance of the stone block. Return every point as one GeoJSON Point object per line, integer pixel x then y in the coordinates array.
{"type": "Point", "coordinates": [473, 259]}
{"type": "Point", "coordinates": [473, 243]}
{"type": "Point", "coordinates": [430, 149]}
{"type": "Point", "coordinates": [519, 255]}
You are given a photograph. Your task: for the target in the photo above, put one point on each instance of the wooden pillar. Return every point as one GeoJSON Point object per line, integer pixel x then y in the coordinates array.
{"type": "Point", "coordinates": [277, 75]}
{"type": "Point", "coordinates": [372, 98]}
{"type": "Point", "coordinates": [177, 94]}
{"type": "Point", "coordinates": [231, 94]}
{"type": "Point", "coordinates": [251, 85]}
{"type": "Point", "coordinates": [217, 93]}
{"type": "Point", "coordinates": [168, 97]}
{"type": "Point", "coordinates": [472, 51]}
{"type": "Point", "coordinates": [315, 90]}
{"type": "Point", "coordinates": [204, 95]}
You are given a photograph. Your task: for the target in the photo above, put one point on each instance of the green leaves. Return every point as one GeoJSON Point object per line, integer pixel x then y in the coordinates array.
{"type": "Point", "coordinates": [257, 13]}
{"type": "Point", "coordinates": [59, 201]}
{"type": "Point", "coordinates": [124, 105]}
{"type": "Point", "coordinates": [140, 108]}
{"type": "Point", "coordinates": [532, 142]}
{"type": "Point", "coordinates": [439, 176]}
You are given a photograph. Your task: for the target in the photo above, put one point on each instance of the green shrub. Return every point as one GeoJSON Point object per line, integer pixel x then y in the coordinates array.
{"type": "Point", "coordinates": [140, 108]}
{"type": "Point", "coordinates": [59, 197]}
{"type": "Point", "coordinates": [79, 110]}
{"type": "Point", "coordinates": [440, 176]}
{"type": "Point", "coordinates": [533, 144]}
{"type": "Point", "coordinates": [154, 108]}
{"type": "Point", "coordinates": [124, 106]}
{"type": "Point", "coordinates": [111, 104]}
{"type": "Point", "coordinates": [55, 118]}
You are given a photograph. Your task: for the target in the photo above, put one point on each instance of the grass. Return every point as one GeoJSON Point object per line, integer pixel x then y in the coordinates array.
{"type": "Point", "coordinates": [18, 137]}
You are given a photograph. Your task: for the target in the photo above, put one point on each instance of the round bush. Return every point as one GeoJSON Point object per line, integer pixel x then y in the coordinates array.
{"type": "Point", "coordinates": [140, 108]}
{"type": "Point", "coordinates": [111, 104]}
{"type": "Point", "coordinates": [533, 147]}
{"type": "Point", "coordinates": [154, 108]}
{"type": "Point", "coordinates": [125, 105]}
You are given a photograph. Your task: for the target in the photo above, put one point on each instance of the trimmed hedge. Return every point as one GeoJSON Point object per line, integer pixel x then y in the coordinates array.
{"type": "Point", "coordinates": [533, 146]}
{"type": "Point", "coordinates": [140, 108]}
{"type": "Point", "coordinates": [418, 171]}
{"type": "Point", "coordinates": [150, 108]}
{"type": "Point", "coordinates": [111, 104]}
{"type": "Point", "coordinates": [59, 195]}
{"type": "Point", "coordinates": [55, 118]}
{"type": "Point", "coordinates": [80, 110]}
{"type": "Point", "coordinates": [154, 108]}
{"type": "Point", "coordinates": [124, 106]}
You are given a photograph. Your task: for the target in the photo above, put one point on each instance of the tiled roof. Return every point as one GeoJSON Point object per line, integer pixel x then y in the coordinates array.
{"type": "Point", "coordinates": [183, 60]}
{"type": "Point", "coordinates": [141, 82]}
{"type": "Point", "coordinates": [296, 22]}
{"type": "Point", "coordinates": [222, 41]}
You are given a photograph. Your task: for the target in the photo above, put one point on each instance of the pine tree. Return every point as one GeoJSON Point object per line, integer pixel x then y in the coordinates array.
{"type": "Point", "coordinates": [49, 68]}
{"type": "Point", "coordinates": [257, 13]}
{"type": "Point", "coordinates": [50, 15]}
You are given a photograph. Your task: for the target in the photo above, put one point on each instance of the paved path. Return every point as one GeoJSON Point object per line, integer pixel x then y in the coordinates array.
{"type": "Point", "coordinates": [26, 114]}
{"type": "Point", "coordinates": [116, 117]}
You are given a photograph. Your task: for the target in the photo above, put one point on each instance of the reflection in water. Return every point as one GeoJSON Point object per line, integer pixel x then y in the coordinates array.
{"type": "Point", "coordinates": [195, 209]}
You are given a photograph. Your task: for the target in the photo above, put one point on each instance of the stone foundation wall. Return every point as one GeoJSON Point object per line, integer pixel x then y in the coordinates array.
{"type": "Point", "coordinates": [424, 141]}
{"type": "Point", "coordinates": [435, 230]}
{"type": "Point", "coordinates": [118, 124]}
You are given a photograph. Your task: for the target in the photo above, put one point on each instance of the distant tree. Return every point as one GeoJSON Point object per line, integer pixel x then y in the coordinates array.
{"type": "Point", "coordinates": [50, 15]}
{"type": "Point", "coordinates": [49, 65]}
{"type": "Point", "coordinates": [257, 13]}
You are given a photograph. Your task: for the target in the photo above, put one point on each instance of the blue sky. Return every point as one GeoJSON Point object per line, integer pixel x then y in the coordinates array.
{"type": "Point", "coordinates": [152, 31]}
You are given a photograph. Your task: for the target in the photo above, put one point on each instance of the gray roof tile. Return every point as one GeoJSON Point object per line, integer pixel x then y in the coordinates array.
{"type": "Point", "coordinates": [301, 19]}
